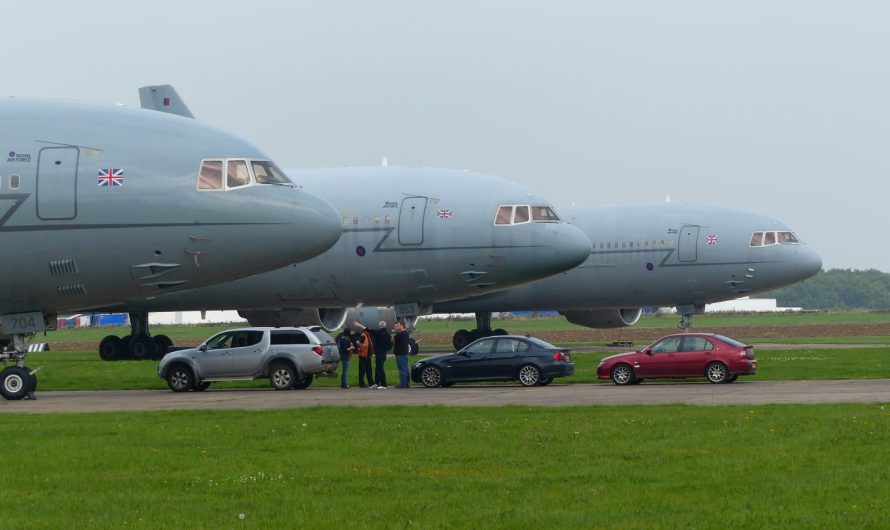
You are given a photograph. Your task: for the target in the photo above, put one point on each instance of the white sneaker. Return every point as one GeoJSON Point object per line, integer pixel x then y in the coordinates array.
{"type": "Point", "coordinates": [381, 387]}
{"type": "Point", "coordinates": [373, 386]}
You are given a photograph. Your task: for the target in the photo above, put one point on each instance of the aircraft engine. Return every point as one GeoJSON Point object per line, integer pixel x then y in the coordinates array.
{"type": "Point", "coordinates": [330, 318]}
{"type": "Point", "coordinates": [604, 318]}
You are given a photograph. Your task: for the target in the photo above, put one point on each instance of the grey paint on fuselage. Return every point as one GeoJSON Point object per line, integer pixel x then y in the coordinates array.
{"type": "Point", "coordinates": [70, 244]}
{"type": "Point", "coordinates": [659, 255]}
{"type": "Point", "coordinates": [448, 247]}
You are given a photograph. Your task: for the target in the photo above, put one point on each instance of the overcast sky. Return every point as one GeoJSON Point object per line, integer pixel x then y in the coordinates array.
{"type": "Point", "coordinates": [781, 107]}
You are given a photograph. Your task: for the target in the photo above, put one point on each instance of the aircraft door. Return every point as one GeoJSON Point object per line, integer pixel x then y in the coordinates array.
{"type": "Point", "coordinates": [57, 182]}
{"type": "Point", "coordinates": [687, 246]}
{"type": "Point", "coordinates": [411, 220]}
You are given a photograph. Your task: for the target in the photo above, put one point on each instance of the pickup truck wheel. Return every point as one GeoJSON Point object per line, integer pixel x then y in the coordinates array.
{"type": "Point", "coordinates": [282, 376]}
{"type": "Point", "coordinates": [180, 378]}
{"type": "Point", "coordinates": [303, 382]}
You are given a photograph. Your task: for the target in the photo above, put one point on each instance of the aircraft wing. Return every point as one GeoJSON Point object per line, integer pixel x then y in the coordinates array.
{"type": "Point", "coordinates": [163, 98]}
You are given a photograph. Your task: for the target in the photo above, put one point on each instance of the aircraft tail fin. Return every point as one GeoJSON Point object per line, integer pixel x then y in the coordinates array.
{"type": "Point", "coordinates": [163, 98]}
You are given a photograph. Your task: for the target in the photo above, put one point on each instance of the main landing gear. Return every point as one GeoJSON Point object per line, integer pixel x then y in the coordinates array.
{"type": "Point", "coordinates": [687, 311]}
{"type": "Point", "coordinates": [138, 345]}
{"type": "Point", "coordinates": [463, 337]}
{"type": "Point", "coordinates": [17, 381]}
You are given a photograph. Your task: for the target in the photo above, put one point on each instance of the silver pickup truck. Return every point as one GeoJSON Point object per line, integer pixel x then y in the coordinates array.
{"type": "Point", "coordinates": [289, 357]}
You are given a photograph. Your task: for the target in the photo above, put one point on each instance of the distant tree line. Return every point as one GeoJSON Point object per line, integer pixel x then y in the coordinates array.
{"type": "Point", "coordinates": [837, 289]}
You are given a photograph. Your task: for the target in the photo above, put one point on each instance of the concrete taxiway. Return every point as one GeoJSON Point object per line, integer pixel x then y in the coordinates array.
{"type": "Point", "coordinates": [654, 393]}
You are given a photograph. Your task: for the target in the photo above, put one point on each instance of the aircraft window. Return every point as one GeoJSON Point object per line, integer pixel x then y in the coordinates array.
{"type": "Point", "coordinates": [670, 243]}
{"type": "Point", "coordinates": [210, 176]}
{"type": "Point", "coordinates": [14, 181]}
{"type": "Point", "coordinates": [756, 239]}
{"type": "Point", "coordinates": [268, 173]}
{"type": "Point", "coordinates": [387, 219]}
{"type": "Point", "coordinates": [770, 239]}
{"type": "Point", "coordinates": [237, 174]}
{"type": "Point", "coordinates": [376, 219]}
{"type": "Point", "coordinates": [504, 215]}
{"type": "Point", "coordinates": [355, 220]}
{"type": "Point", "coordinates": [520, 215]}
{"type": "Point", "coordinates": [345, 220]}
{"type": "Point", "coordinates": [544, 213]}
{"type": "Point", "coordinates": [787, 238]}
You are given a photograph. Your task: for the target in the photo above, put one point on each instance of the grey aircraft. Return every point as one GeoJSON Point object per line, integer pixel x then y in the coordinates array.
{"type": "Point", "coordinates": [667, 254]}
{"type": "Point", "coordinates": [411, 237]}
{"type": "Point", "coordinates": [101, 204]}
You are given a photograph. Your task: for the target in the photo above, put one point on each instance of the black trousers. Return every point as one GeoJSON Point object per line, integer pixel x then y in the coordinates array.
{"type": "Point", "coordinates": [364, 369]}
{"type": "Point", "coordinates": [380, 370]}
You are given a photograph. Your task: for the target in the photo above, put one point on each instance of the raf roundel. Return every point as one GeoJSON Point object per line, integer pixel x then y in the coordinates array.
{"type": "Point", "coordinates": [360, 250]}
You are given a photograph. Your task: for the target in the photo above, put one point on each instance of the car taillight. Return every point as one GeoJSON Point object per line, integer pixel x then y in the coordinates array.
{"type": "Point", "coordinates": [558, 356]}
{"type": "Point", "coordinates": [317, 350]}
{"type": "Point", "coordinates": [748, 353]}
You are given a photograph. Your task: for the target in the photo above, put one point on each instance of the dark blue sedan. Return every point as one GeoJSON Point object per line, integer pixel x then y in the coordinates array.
{"type": "Point", "coordinates": [528, 360]}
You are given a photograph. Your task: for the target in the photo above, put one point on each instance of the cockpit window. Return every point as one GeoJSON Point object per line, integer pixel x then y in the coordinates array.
{"type": "Point", "coordinates": [237, 174]}
{"type": "Point", "coordinates": [520, 215]}
{"type": "Point", "coordinates": [210, 175]}
{"type": "Point", "coordinates": [232, 173]}
{"type": "Point", "coordinates": [268, 173]}
{"type": "Point", "coordinates": [505, 213]}
{"type": "Point", "coordinates": [764, 239]}
{"type": "Point", "coordinates": [523, 213]}
{"type": "Point", "coordinates": [787, 238]}
{"type": "Point", "coordinates": [544, 213]}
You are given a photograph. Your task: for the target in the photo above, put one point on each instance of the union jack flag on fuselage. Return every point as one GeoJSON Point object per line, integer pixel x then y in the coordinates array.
{"type": "Point", "coordinates": [111, 177]}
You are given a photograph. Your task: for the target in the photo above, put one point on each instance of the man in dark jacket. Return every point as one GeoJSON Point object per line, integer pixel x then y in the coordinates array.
{"type": "Point", "coordinates": [402, 347]}
{"type": "Point", "coordinates": [344, 344]}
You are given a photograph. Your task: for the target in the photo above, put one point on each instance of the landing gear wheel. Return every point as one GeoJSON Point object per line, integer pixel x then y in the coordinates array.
{"type": "Point", "coordinates": [16, 382]}
{"type": "Point", "coordinates": [303, 383]}
{"type": "Point", "coordinates": [204, 385]}
{"type": "Point", "coordinates": [460, 339]}
{"type": "Point", "coordinates": [110, 348]}
{"type": "Point", "coordinates": [282, 376]}
{"type": "Point", "coordinates": [500, 331]}
{"type": "Point", "coordinates": [431, 377]}
{"type": "Point", "coordinates": [622, 374]}
{"type": "Point", "coordinates": [124, 352]}
{"type": "Point", "coordinates": [164, 344]}
{"type": "Point", "coordinates": [180, 378]}
{"type": "Point", "coordinates": [545, 382]}
{"type": "Point", "coordinates": [143, 347]}
{"type": "Point", "coordinates": [717, 373]}
{"type": "Point", "coordinates": [529, 375]}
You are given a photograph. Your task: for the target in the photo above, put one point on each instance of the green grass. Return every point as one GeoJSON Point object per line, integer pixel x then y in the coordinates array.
{"type": "Point", "coordinates": [85, 371]}
{"type": "Point", "coordinates": [437, 467]}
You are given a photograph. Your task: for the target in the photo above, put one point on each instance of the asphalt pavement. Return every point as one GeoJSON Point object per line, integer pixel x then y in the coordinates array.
{"type": "Point", "coordinates": [648, 393]}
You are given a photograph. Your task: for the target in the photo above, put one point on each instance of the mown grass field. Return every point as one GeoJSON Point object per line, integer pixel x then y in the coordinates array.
{"type": "Point", "coordinates": [438, 467]}
{"type": "Point", "coordinates": [778, 466]}
{"type": "Point", "coordinates": [85, 371]}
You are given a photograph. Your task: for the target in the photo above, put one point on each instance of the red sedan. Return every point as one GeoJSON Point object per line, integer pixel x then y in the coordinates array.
{"type": "Point", "coordinates": [720, 359]}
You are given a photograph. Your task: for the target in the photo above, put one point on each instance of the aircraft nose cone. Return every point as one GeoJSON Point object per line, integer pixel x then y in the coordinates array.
{"type": "Point", "coordinates": [809, 262]}
{"type": "Point", "coordinates": [574, 245]}
{"type": "Point", "coordinates": [317, 226]}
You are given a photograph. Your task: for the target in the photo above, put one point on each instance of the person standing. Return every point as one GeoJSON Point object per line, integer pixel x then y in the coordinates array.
{"type": "Point", "coordinates": [382, 346]}
{"type": "Point", "coordinates": [344, 344]}
{"type": "Point", "coordinates": [364, 345]}
{"type": "Point", "coordinates": [401, 348]}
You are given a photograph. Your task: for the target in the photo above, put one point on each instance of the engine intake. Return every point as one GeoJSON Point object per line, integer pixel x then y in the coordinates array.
{"type": "Point", "coordinates": [330, 318]}
{"type": "Point", "coordinates": [604, 318]}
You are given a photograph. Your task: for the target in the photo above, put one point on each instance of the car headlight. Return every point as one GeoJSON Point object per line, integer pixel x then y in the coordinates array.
{"type": "Point", "coordinates": [417, 364]}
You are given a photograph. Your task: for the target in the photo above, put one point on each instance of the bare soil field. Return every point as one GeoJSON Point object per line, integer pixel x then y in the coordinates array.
{"type": "Point", "coordinates": [606, 336]}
